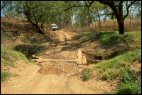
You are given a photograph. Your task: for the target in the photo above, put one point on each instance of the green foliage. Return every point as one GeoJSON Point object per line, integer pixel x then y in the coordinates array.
{"type": "Point", "coordinates": [129, 88]}
{"type": "Point", "coordinates": [86, 74]}
{"type": "Point", "coordinates": [111, 42]}
{"type": "Point", "coordinates": [112, 38]}
{"type": "Point", "coordinates": [110, 74]}
{"type": "Point", "coordinates": [98, 52]}
{"type": "Point", "coordinates": [30, 50]}
{"type": "Point", "coordinates": [119, 68]}
{"type": "Point", "coordinates": [45, 12]}
{"type": "Point", "coordinates": [8, 56]}
{"type": "Point", "coordinates": [111, 69]}
{"type": "Point", "coordinates": [129, 84]}
{"type": "Point", "coordinates": [129, 75]}
{"type": "Point", "coordinates": [4, 76]}
{"type": "Point", "coordinates": [128, 51]}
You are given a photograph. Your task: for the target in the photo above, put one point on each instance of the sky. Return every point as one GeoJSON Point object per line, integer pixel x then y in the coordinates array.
{"type": "Point", "coordinates": [2, 15]}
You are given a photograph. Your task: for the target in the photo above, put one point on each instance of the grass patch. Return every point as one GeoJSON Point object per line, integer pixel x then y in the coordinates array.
{"type": "Point", "coordinates": [112, 43]}
{"type": "Point", "coordinates": [86, 74]}
{"type": "Point", "coordinates": [119, 68]}
{"type": "Point", "coordinates": [112, 38]}
{"type": "Point", "coordinates": [130, 83]}
{"type": "Point", "coordinates": [8, 56]}
{"type": "Point", "coordinates": [111, 69]}
{"type": "Point", "coordinates": [30, 50]}
{"type": "Point", "coordinates": [4, 76]}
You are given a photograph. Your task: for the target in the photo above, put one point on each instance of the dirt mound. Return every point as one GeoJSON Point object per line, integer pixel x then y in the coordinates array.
{"type": "Point", "coordinates": [59, 68]}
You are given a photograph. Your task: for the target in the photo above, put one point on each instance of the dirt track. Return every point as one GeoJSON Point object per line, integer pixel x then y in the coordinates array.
{"type": "Point", "coordinates": [61, 35]}
{"type": "Point", "coordinates": [32, 79]}
{"type": "Point", "coordinates": [52, 77]}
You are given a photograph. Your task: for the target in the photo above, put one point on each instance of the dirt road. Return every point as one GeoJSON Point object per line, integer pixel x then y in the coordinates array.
{"type": "Point", "coordinates": [55, 72]}
{"type": "Point", "coordinates": [50, 77]}
{"type": "Point", "coordinates": [61, 35]}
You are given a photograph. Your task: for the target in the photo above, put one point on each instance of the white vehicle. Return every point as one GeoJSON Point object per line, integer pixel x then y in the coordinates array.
{"type": "Point", "coordinates": [54, 27]}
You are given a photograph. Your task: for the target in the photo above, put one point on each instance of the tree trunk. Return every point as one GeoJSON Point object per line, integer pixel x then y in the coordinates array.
{"type": "Point", "coordinates": [120, 26]}
{"type": "Point", "coordinates": [99, 23]}
{"type": "Point", "coordinates": [130, 23]}
{"type": "Point", "coordinates": [131, 19]}
{"type": "Point", "coordinates": [35, 25]}
{"type": "Point", "coordinates": [38, 28]}
{"type": "Point", "coordinates": [114, 26]}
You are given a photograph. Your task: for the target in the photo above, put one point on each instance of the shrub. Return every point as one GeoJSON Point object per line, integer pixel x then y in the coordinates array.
{"type": "Point", "coordinates": [129, 75]}
{"type": "Point", "coordinates": [30, 50]}
{"type": "Point", "coordinates": [86, 74]}
{"type": "Point", "coordinates": [4, 76]}
{"type": "Point", "coordinates": [129, 88]}
{"type": "Point", "coordinates": [130, 83]}
{"type": "Point", "coordinates": [110, 74]}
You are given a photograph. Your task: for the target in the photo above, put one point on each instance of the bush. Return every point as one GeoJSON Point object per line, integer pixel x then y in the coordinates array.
{"type": "Point", "coordinates": [130, 83]}
{"type": "Point", "coordinates": [129, 88]}
{"type": "Point", "coordinates": [129, 75]}
{"type": "Point", "coordinates": [4, 76]}
{"type": "Point", "coordinates": [110, 74]}
{"type": "Point", "coordinates": [86, 74]}
{"type": "Point", "coordinates": [30, 50]}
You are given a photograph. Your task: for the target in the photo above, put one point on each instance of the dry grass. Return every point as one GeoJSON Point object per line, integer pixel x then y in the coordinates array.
{"type": "Point", "coordinates": [111, 25]}
{"type": "Point", "coordinates": [16, 31]}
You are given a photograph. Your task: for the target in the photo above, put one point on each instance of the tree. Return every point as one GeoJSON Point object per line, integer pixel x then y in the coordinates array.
{"type": "Point", "coordinates": [37, 12]}
{"type": "Point", "coordinates": [42, 12]}
{"type": "Point", "coordinates": [7, 8]}
{"type": "Point", "coordinates": [117, 8]}
{"type": "Point", "coordinates": [81, 12]}
{"type": "Point", "coordinates": [97, 9]}
{"type": "Point", "coordinates": [5, 4]}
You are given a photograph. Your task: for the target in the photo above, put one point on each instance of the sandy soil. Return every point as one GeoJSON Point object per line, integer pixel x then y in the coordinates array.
{"type": "Point", "coordinates": [57, 75]}
{"type": "Point", "coordinates": [52, 78]}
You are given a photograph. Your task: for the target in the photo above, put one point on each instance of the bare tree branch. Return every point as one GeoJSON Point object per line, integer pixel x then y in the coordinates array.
{"type": "Point", "coordinates": [127, 8]}
{"type": "Point", "coordinates": [3, 4]}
